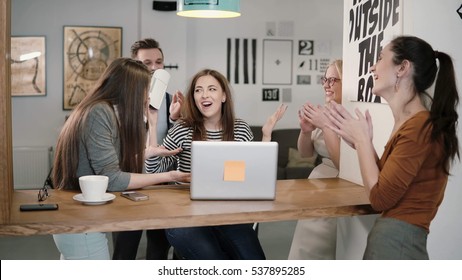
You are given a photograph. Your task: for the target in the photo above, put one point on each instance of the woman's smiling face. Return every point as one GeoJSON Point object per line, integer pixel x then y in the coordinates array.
{"type": "Point", "coordinates": [333, 85]}
{"type": "Point", "coordinates": [384, 72]}
{"type": "Point", "coordinates": [209, 96]}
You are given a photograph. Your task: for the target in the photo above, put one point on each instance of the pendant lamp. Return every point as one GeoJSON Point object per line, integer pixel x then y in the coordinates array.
{"type": "Point", "coordinates": [208, 8]}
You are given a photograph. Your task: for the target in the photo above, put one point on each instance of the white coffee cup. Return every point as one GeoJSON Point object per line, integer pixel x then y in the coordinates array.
{"type": "Point", "coordinates": [93, 187]}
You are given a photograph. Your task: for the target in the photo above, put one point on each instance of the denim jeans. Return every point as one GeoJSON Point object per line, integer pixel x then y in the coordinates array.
{"type": "Point", "coordinates": [126, 244]}
{"type": "Point", "coordinates": [82, 246]}
{"type": "Point", "coordinates": [238, 242]}
{"type": "Point", "coordinates": [393, 239]}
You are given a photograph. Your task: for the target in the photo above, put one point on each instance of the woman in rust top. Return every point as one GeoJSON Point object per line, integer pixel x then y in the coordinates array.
{"type": "Point", "coordinates": [407, 183]}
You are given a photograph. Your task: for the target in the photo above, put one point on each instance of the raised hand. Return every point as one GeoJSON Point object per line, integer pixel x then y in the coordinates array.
{"type": "Point", "coordinates": [316, 114]}
{"type": "Point", "coordinates": [305, 123]}
{"type": "Point", "coordinates": [175, 105]}
{"type": "Point", "coordinates": [268, 127]}
{"type": "Point", "coordinates": [352, 130]}
{"type": "Point", "coordinates": [151, 115]}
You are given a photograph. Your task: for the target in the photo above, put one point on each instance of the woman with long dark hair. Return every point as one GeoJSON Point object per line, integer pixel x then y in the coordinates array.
{"type": "Point", "coordinates": [407, 183]}
{"type": "Point", "coordinates": [106, 135]}
{"type": "Point", "coordinates": [208, 115]}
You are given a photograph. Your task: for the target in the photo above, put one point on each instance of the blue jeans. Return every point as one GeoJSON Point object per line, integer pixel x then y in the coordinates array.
{"type": "Point", "coordinates": [393, 239]}
{"type": "Point", "coordinates": [82, 246]}
{"type": "Point", "coordinates": [238, 242]}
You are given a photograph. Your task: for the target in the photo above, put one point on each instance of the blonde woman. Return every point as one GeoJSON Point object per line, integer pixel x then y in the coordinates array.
{"type": "Point", "coordinates": [315, 239]}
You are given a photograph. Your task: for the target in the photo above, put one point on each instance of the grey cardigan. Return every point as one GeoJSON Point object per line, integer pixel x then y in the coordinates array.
{"type": "Point", "coordinates": [100, 148]}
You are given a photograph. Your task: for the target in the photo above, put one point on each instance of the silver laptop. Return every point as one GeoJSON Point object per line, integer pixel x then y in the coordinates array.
{"type": "Point", "coordinates": [228, 170]}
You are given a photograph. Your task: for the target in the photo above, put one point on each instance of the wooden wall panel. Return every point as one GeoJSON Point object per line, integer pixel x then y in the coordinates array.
{"type": "Point", "coordinates": [6, 160]}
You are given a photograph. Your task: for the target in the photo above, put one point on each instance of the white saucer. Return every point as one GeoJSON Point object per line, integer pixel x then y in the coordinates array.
{"type": "Point", "coordinates": [106, 198]}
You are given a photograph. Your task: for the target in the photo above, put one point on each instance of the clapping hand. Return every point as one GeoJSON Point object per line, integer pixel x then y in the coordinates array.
{"type": "Point", "coordinates": [352, 130]}
{"type": "Point", "coordinates": [305, 123]}
{"type": "Point", "coordinates": [316, 115]}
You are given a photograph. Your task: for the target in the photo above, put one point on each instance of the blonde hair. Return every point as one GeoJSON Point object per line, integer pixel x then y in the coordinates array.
{"type": "Point", "coordinates": [338, 63]}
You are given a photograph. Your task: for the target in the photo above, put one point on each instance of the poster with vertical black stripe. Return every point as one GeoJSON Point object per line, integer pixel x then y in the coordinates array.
{"type": "Point", "coordinates": [241, 64]}
{"type": "Point", "coordinates": [370, 25]}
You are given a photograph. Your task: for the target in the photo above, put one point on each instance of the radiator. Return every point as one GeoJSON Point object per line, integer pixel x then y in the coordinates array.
{"type": "Point", "coordinates": [31, 166]}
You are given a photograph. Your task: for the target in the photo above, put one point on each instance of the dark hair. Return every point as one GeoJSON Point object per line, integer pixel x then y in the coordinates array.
{"type": "Point", "coordinates": [147, 43]}
{"type": "Point", "coordinates": [192, 117]}
{"type": "Point", "coordinates": [124, 83]}
{"type": "Point", "coordinates": [443, 111]}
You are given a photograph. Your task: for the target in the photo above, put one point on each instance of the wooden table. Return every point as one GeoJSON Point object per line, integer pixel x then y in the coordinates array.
{"type": "Point", "coordinates": [170, 206]}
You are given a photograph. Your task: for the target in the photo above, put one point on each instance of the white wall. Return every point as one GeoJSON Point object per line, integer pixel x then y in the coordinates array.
{"type": "Point", "coordinates": [436, 22]}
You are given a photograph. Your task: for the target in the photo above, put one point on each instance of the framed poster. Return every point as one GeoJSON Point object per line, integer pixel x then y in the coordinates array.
{"type": "Point", "coordinates": [28, 66]}
{"type": "Point", "coordinates": [87, 52]}
{"type": "Point", "coordinates": [363, 42]}
{"type": "Point", "coordinates": [277, 62]}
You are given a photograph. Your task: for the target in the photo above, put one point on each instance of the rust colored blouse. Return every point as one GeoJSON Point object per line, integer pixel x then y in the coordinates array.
{"type": "Point", "coordinates": [411, 185]}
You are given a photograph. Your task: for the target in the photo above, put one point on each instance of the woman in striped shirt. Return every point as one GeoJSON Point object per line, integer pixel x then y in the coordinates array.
{"type": "Point", "coordinates": [208, 114]}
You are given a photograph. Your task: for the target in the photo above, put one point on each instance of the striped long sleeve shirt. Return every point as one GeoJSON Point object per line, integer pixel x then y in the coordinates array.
{"type": "Point", "coordinates": [180, 136]}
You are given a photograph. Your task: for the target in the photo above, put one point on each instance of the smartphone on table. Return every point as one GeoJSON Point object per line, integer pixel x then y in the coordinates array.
{"type": "Point", "coordinates": [135, 196]}
{"type": "Point", "coordinates": [38, 207]}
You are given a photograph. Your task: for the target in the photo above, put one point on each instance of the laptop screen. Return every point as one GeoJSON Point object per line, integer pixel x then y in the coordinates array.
{"type": "Point", "coordinates": [229, 170]}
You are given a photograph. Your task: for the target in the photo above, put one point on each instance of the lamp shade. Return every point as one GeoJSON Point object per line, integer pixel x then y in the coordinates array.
{"type": "Point", "coordinates": [208, 8]}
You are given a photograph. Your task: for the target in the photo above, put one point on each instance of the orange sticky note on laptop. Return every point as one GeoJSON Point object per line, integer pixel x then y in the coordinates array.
{"type": "Point", "coordinates": [234, 170]}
